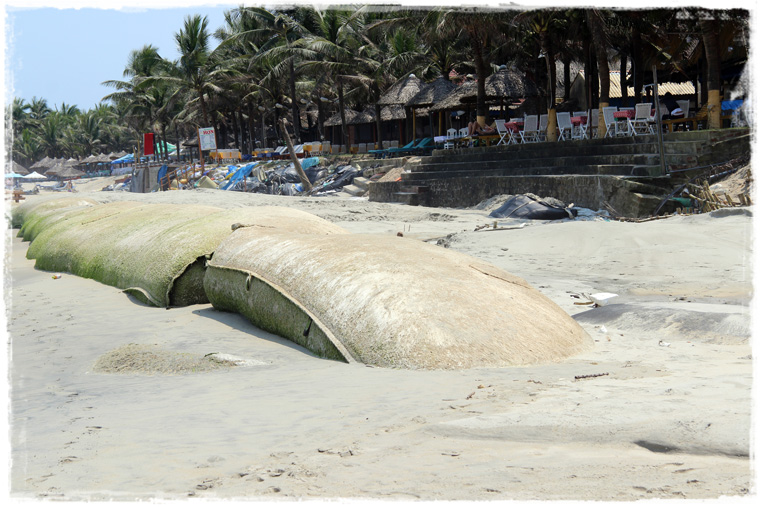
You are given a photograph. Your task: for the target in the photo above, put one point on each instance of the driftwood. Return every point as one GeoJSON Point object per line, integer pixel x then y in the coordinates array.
{"type": "Point", "coordinates": [302, 175]}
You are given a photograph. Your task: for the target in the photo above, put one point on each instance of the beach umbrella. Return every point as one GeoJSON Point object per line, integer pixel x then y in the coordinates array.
{"type": "Point", "coordinates": [69, 172]}
{"type": "Point", "coordinates": [34, 176]}
{"type": "Point", "coordinates": [18, 168]}
{"type": "Point", "coordinates": [43, 164]}
{"type": "Point", "coordinates": [13, 175]}
{"type": "Point", "coordinates": [509, 83]}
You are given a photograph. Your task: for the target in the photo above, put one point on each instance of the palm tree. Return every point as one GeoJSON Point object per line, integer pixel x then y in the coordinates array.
{"type": "Point", "coordinates": [332, 49]}
{"type": "Point", "coordinates": [543, 24]}
{"type": "Point", "coordinates": [481, 29]}
{"type": "Point", "coordinates": [598, 30]}
{"type": "Point", "coordinates": [194, 65]}
{"type": "Point", "coordinates": [280, 33]}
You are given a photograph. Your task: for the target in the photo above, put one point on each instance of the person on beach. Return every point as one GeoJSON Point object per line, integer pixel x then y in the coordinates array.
{"type": "Point", "coordinates": [674, 110]}
{"type": "Point", "coordinates": [475, 129]}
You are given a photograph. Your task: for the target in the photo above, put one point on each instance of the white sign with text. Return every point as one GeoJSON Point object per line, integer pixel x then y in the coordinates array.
{"type": "Point", "coordinates": [207, 138]}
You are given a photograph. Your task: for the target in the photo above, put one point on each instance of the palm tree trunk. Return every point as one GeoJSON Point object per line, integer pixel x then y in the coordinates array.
{"type": "Point", "coordinates": [480, 69]}
{"type": "Point", "coordinates": [378, 125]}
{"type": "Point", "coordinates": [712, 56]}
{"type": "Point", "coordinates": [551, 76]}
{"type": "Point", "coordinates": [294, 105]}
{"type": "Point", "coordinates": [204, 111]}
{"type": "Point", "coordinates": [638, 66]}
{"type": "Point", "coordinates": [235, 130]}
{"type": "Point", "coordinates": [623, 79]}
{"type": "Point", "coordinates": [596, 25]}
{"type": "Point", "coordinates": [344, 130]}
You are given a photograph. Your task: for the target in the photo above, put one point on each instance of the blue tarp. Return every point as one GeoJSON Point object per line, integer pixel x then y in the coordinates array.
{"type": "Point", "coordinates": [731, 105]}
{"type": "Point", "coordinates": [162, 172]}
{"type": "Point", "coordinates": [309, 162]}
{"type": "Point", "coordinates": [241, 173]}
{"type": "Point", "coordinates": [123, 160]}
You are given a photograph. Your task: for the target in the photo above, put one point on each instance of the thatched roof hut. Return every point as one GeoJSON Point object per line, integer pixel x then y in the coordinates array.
{"type": "Point", "coordinates": [352, 118]}
{"type": "Point", "coordinates": [432, 93]}
{"type": "Point", "coordinates": [402, 91]}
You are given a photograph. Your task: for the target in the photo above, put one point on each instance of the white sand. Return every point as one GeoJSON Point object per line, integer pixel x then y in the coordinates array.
{"type": "Point", "coordinates": [670, 419]}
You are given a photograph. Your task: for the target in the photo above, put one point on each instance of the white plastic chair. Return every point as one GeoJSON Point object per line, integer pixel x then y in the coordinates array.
{"type": "Point", "coordinates": [464, 132]}
{"type": "Point", "coordinates": [543, 124]}
{"type": "Point", "coordinates": [640, 124]}
{"type": "Point", "coordinates": [505, 135]}
{"type": "Point", "coordinates": [326, 149]}
{"type": "Point", "coordinates": [594, 121]}
{"type": "Point", "coordinates": [565, 126]}
{"type": "Point", "coordinates": [529, 133]}
{"type": "Point", "coordinates": [362, 148]}
{"type": "Point", "coordinates": [609, 121]}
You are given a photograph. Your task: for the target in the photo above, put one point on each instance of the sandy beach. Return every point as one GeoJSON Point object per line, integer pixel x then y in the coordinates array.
{"type": "Point", "coordinates": [659, 409]}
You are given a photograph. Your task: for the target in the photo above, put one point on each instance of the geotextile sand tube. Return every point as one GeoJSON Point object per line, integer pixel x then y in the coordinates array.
{"type": "Point", "coordinates": [40, 206]}
{"type": "Point", "coordinates": [156, 252]}
{"type": "Point", "coordinates": [388, 301]}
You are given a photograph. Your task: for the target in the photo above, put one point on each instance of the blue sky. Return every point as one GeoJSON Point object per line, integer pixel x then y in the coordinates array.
{"type": "Point", "coordinates": [63, 55]}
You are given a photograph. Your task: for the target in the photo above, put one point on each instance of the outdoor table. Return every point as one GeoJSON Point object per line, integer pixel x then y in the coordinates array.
{"type": "Point", "coordinates": [513, 126]}
{"type": "Point", "coordinates": [577, 121]}
{"type": "Point", "coordinates": [624, 115]}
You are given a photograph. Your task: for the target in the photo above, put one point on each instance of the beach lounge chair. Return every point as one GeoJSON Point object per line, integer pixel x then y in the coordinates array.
{"type": "Point", "coordinates": [412, 147]}
{"type": "Point", "coordinates": [565, 126]}
{"type": "Point", "coordinates": [425, 145]}
{"type": "Point", "coordinates": [529, 133]}
{"type": "Point", "coordinates": [640, 123]}
{"type": "Point", "coordinates": [609, 121]}
{"type": "Point", "coordinates": [385, 152]}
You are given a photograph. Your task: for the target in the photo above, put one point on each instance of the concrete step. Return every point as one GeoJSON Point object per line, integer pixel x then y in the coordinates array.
{"type": "Point", "coordinates": [362, 182]}
{"type": "Point", "coordinates": [599, 169]}
{"type": "Point", "coordinates": [554, 161]}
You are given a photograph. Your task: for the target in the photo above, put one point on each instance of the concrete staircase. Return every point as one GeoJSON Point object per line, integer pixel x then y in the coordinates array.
{"type": "Point", "coordinates": [358, 188]}
{"type": "Point", "coordinates": [623, 172]}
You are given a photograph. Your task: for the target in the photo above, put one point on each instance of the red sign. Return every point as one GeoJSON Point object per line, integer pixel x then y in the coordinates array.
{"type": "Point", "coordinates": [147, 144]}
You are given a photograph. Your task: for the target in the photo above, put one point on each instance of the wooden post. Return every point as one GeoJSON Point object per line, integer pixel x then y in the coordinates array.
{"type": "Point", "coordinates": [200, 155]}
{"type": "Point", "coordinates": [302, 175]}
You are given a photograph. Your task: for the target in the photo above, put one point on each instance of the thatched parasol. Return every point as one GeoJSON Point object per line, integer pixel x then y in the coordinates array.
{"type": "Point", "coordinates": [432, 93]}
{"type": "Point", "coordinates": [504, 84]}
{"type": "Point", "coordinates": [18, 168]}
{"type": "Point", "coordinates": [67, 172]}
{"type": "Point", "coordinates": [43, 164]}
{"type": "Point", "coordinates": [90, 159]}
{"type": "Point", "coordinates": [122, 153]}
{"type": "Point", "coordinates": [509, 83]}
{"type": "Point", "coordinates": [58, 167]}
{"type": "Point", "coordinates": [402, 91]}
